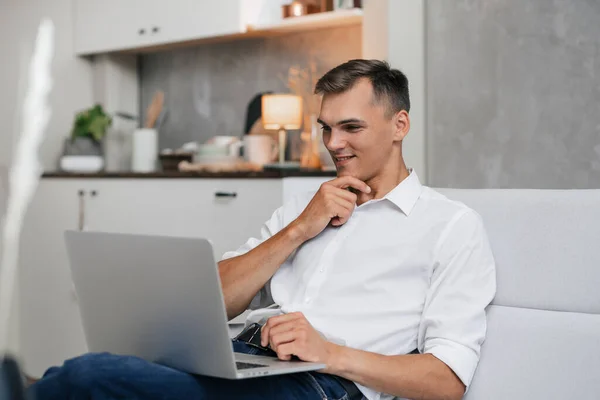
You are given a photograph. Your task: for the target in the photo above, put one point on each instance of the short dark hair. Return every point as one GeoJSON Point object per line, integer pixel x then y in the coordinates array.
{"type": "Point", "coordinates": [388, 83]}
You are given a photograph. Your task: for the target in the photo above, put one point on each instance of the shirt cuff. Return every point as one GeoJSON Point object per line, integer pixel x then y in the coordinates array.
{"type": "Point", "coordinates": [461, 359]}
{"type": "Point", "coordinates": [230, 254]}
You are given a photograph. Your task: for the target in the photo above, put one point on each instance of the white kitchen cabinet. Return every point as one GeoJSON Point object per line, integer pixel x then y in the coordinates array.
{"type": "Point", "coordinates": [50, 326]}
{"type": "Point", "coordinates": [226, 211]}
{"type": "Point", "coordinates": [115, 25]}
{"type": "Point", "coordinates": [109, 25]}
{"type": "Point", "coordinates": [185, 20]}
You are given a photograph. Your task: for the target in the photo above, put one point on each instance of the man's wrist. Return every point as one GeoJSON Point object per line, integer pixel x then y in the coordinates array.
{"type": "Point", "coordinates": [336, 363]}
{"type": "Point", "coordinates": [296, 233]}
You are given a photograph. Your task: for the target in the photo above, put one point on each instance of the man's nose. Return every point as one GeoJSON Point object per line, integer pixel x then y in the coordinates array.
{"type": "Point", "coordinates": [336, 141]}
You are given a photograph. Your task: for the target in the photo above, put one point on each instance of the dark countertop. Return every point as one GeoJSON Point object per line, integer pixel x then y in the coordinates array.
{"type": "Point", "coordinates": [271, 174]}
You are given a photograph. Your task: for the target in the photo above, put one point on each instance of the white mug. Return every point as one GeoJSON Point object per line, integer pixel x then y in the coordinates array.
{"type": "Point", "coordinates": [222, 140]}
{"type": "Point", "coordinates": [260, 149]}
{"type": "Point", "coordinates": [231, 143]}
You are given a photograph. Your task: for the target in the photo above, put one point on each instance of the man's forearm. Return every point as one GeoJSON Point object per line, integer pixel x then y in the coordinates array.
{"type": "Point", "coordinates": [243, 276]}
{"type": "Point", "coordinates": [418, 376]}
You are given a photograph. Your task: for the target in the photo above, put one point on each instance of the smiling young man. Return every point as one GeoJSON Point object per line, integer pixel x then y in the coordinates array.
{"type": "Point", "coordinates": [381, 279]}
{"type": "Point", "coordinates": [373, 260]}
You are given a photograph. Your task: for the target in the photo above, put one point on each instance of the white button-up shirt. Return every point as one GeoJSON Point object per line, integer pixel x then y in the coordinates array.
{"type": "Point", "coordinates": [413, 270]}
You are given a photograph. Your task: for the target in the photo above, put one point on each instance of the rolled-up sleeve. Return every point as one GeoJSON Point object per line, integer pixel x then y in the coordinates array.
{"type": "Point", "coordinates": [463, 283]}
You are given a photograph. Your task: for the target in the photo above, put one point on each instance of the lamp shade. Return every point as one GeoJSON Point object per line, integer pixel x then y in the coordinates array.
{"type": "Point", "coordinates": [281, 111]}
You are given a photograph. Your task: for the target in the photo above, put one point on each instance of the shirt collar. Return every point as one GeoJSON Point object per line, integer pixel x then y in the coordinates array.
{"type": "Point", "coordinates": [406, 194]}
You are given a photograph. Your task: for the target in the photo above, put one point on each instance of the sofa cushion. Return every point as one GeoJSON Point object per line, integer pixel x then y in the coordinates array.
{"type": "Point", "coordinates": [536, 354]}
{"type": "Point", "coordinates": [546, 244]}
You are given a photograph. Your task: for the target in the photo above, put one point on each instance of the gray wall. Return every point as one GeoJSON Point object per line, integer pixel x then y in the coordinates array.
{"type": "Point", "coordinates": [208, 88]}
{"type": "Point", "coordinates": [513, 93]}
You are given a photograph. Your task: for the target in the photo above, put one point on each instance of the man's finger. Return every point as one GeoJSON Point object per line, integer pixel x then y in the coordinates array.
{"type": "Point", "coordinates": [279, 319]}
{"type": "Point", "coordinates": [349, 181]}
{"type": "Point", "coordinates": [341, 211]}
{"type": "Point", "coordinates": [282, 338]}
{"type": "Point", "coordinates": [338, 221]}
{"type": "Point", "coordinates": [281, 328]}
{"type": "Point", "coordinates": [264, 335]}
{"type": "Point", "coordinates": [286, 351]}
{"type": "Point", "coordinates": [343, 204]}
{"type": "Point", "coordinates": [273, 322]}
{"type": "Point", "coordinates": [345, 194]}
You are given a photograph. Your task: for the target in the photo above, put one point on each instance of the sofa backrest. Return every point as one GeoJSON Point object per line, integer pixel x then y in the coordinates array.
{"type": "Point", "coordinates": [543, 339]}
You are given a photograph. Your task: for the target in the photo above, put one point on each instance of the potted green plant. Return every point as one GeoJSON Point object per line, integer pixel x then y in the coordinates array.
{"type": "Point", "coordinates": [89, 129]}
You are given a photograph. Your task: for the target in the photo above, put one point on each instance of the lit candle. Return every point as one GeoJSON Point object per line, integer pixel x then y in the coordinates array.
{"type": "Point", "coordinates": [297, 9]}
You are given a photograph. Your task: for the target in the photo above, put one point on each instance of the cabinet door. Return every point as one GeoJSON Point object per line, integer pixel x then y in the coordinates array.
{"type": "Point", "coordinates": [50, 329]}
{"type": "Point", "coordinates": [231, 221]}
{"type": "Point", "coordinates": [225, 211]}
{"type": "Point", "coordinates": [195, 19]}
{"type": "Point", "coordinates": [109, 25]}
{"type": "Point", "coordinates": [112, 25]}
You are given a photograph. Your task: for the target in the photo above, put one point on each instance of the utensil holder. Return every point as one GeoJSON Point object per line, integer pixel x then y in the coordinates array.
{"type": "Point", "coordinates": [145, 150]}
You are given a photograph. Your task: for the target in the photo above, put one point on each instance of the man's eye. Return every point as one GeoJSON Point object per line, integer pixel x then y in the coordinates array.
{"type": "Point", "coordinates": [352, 128]}
{"type": "Point", "coordinates": [326, 128]}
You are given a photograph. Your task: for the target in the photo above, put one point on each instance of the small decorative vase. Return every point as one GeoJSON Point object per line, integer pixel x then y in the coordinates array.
{"type": "Point", "coordinates": [310, 151]}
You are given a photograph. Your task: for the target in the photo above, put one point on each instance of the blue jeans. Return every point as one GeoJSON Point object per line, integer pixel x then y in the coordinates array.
{"type": "Point", "coordinates": [103, 376]}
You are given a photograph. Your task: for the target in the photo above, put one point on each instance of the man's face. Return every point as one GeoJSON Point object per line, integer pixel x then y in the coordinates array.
{"type": "Point", "coordinates": [357, 132]}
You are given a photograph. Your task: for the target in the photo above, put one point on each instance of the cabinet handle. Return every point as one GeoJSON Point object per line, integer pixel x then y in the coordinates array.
{"type": "Point", "coordinates": [225, 194]}
{"type": "Point", "coordinates": [81, 219]}
{"type": "Point", "coordinates": [142, 31]}
{"type": "Point", "coordinates": [155, 29]}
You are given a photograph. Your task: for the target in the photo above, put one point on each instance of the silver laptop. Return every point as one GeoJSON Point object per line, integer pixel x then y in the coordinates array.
{"type": "Point", "coordinates": [160, 299]}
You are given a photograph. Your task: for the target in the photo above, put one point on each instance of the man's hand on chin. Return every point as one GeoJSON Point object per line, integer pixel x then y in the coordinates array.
{"type": "Point", "coordinates": [292, 335]}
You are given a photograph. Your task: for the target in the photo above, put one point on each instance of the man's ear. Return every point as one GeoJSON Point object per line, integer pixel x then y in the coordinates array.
{"type": "Point", "coordinates": [401, 122]}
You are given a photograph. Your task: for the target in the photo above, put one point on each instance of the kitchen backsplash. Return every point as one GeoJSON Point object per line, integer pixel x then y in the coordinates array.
{"type": "Point", "coordinates": [208, 88]}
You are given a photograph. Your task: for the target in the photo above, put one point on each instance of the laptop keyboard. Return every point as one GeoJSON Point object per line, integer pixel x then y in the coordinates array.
{"type": "Point", "coordinates": [244, 365]}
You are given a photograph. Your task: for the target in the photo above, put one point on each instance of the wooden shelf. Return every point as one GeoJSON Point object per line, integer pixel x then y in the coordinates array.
{"type": "Point", "coordinates": [322, 20]}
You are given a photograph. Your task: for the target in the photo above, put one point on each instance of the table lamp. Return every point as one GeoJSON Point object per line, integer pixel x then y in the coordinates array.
{"type": "Point", "coordinates": [281, 112]}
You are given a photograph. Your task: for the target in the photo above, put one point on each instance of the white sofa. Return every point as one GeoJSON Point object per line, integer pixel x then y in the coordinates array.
{"type": "Point", "coordinates": [543, 338]}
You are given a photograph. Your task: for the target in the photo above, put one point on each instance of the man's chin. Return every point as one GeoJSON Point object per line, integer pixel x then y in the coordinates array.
{"type": "Point", "coordinates": [341, 172]}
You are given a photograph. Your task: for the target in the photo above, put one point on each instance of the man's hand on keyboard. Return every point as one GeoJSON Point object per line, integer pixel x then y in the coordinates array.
{"type": "Point", "coordinates": [292, 335]}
